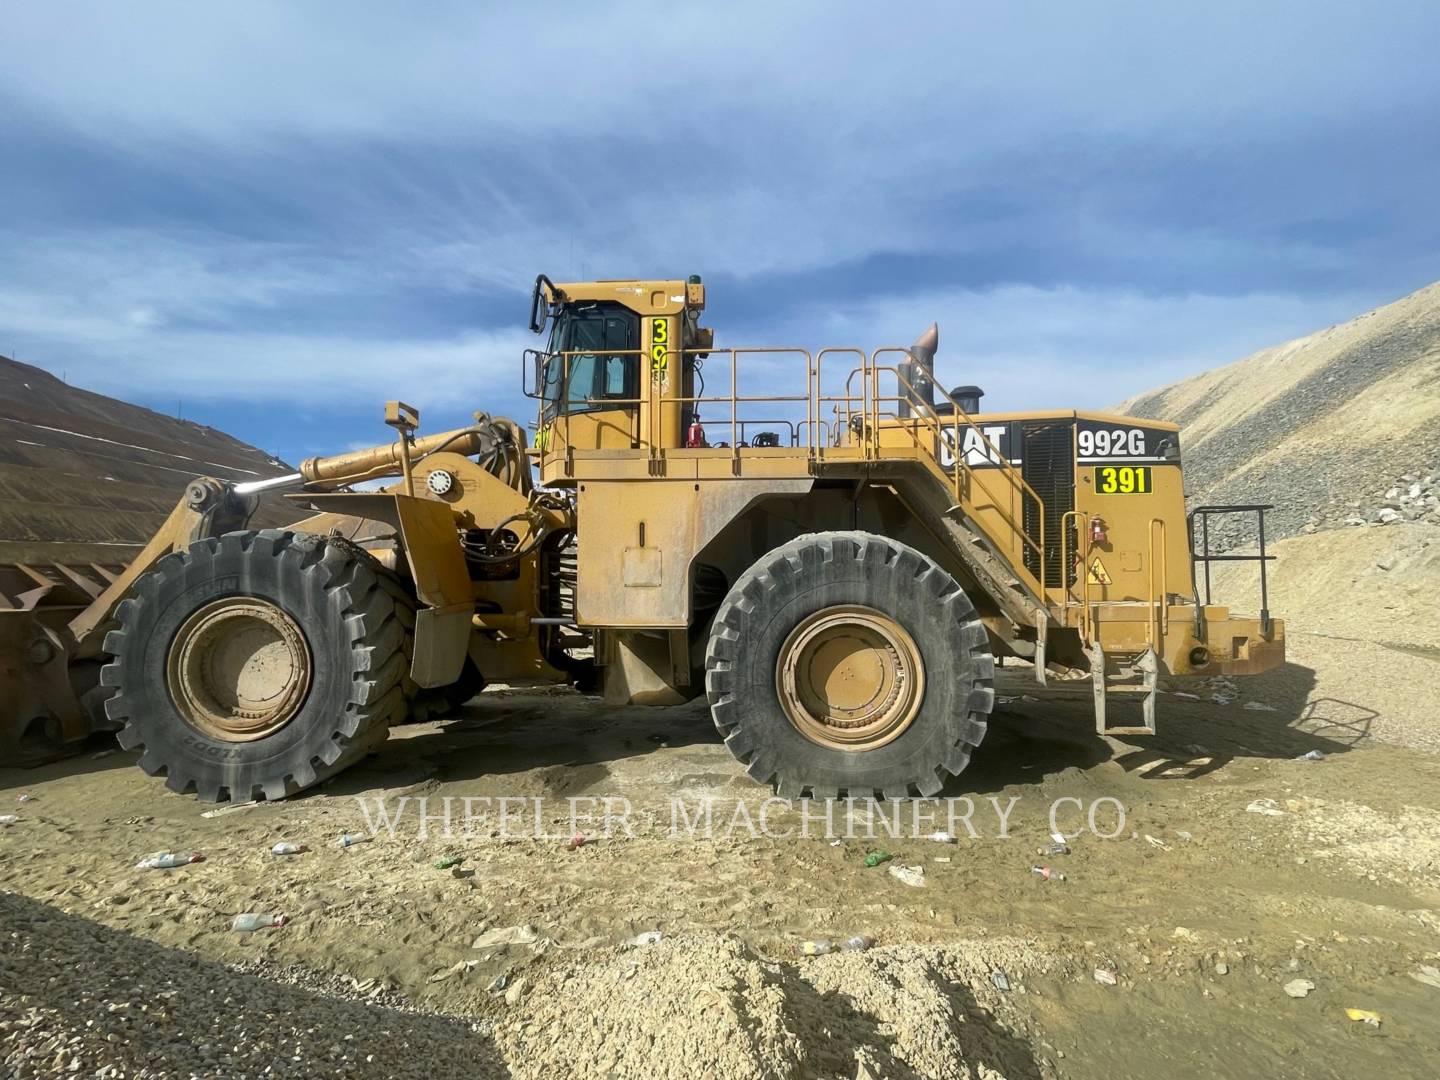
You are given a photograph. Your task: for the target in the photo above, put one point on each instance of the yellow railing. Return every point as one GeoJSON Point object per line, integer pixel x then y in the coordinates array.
{"type": "Point", "coordinates": [1159, 606]}
{"type": "Point", "coordinates": [869, 406]}
{"type": "Point", "coordinates": [1078, 563]}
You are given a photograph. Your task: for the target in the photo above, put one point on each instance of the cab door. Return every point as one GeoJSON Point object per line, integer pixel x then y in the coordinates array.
{"type": "Point", "coordinates": [592, 383]}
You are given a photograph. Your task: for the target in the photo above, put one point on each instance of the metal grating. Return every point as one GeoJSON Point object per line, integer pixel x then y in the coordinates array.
{"type": "Point", "coordinates": [1048, 466]}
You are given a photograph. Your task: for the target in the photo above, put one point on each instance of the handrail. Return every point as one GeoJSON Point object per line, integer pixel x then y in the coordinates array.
{"type": "Point", "coordinates": [1082, 573]}
{"type": "Point", "coordinates": [926, 412]}
{"type": "Point", "coordinates": [816, 432]}
{"type": "Point", "coordinates": [1205, 558]}
{"type": "Point", "coordinates": [1159, 623]}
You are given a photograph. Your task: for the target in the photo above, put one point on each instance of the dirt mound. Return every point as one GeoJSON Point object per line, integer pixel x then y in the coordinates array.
{"type": "Point", "coordinates": [1326, 427]}
{"type": "Point", "coordinates": [658, 1010]}
{"type": "Point", "coordinates": [1366, 583]}
{"type": "Point", "coordinates": [81, 468]}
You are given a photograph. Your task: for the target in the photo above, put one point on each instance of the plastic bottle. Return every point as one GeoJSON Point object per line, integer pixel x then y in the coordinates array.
{"type": "Point", "coordinates": [250, 922]}
{"type": "Point", "coordinates": [821, 946]}
{"type": "Point", "coordinates": [447, 862]}
{"type": "Point", "coordinates": [166, 860]}
{"type": "Point", "coordinates": [875, 858]}
{"type": "Point", "coordinates": [285, 847]}
{"type": "Point", "coordinates": [351, 839]}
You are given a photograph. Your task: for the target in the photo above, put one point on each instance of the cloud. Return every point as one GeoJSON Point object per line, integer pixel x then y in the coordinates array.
{"type": "Point", "coordinates": [244, 202]}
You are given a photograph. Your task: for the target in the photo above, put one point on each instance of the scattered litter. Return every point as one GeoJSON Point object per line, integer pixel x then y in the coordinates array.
{"type": "Point", "coordinates": [1221, 699]}
{"type": "Point", "coordinates": [1222, 968]}
{"type": "Point", "coordinates": [942, 837]}
{"type": "Point", "coordinates": [24, 798]}
{"type": "Point", "coordinates": [578, 840]}
{"type": "Point", "coordinates": [1299, 988]}
{"type": "Point", "coordinates": [875, 858]}
{"type": "Point", "coordinates": [1000, 979]}
{"type": "Point", "coordinates": [1027, 697]}
{"type": "Point", "coordinates": [835, 843]}
{"type": "Point", "coordinates": [497, 984]}
{"type": "Point", "coordinates": [1182, 693]}
{"type": "Point", "coordinates": [1183, 835]}
{"type": "Point", "coordinates": [506, 935]}
{"type": "Point", "coordinates": [229, 808]}
{"type": "Point", "coordinates": [1004, 699]}
{"type": "Point", "coordinates": [1047, 874]}
{"type": "Point", "coordinates": [821, 946]}
{"type": "Point", "coordinates": [166, 860]}
{"type": "Point", "coordinates": [1428, 975]}
{"type": "Point", "coordinates": [1058, 838]}
{"type": "Point", "coordinates": [285, 847]}
{"type": "Point", "coordinates": [1155, 841]}
{"type": "Point", "coordinates": [1311, 755]}
{"type": "Point", "coordinates": [1258, 706]}
{"type": "Point", "coordinates": [649, 937]}
{"type": "Point", "coordinates": [9, 819]}
{"type": "Point", "coordinates": [350, 839]}
{"type": "Point", "coordinates": [914, 876]}
{"type": "Point", "coordinates": [1268, 807]}
{"type": "Point", "coordinates": [103, 754]}
{"type": "Point", "coordinates": [457, 968]}
{"type": "Point", "coordinates": [448, 862]}
{"type": "Point", "coordinates": [940, 858]}
{"type": "Point", "coordinates": [250, 922]}
{"type": "Point", "coordinates": [1365, 1016]}
{"type": "Point", "coordinates": [1105, 978]}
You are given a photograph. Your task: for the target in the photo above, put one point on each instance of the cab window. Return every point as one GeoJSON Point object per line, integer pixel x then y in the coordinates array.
{"type": "Point", "coordinates": [597, 375]}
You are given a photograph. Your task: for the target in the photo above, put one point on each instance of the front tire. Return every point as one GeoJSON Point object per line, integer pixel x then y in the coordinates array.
{"type": "Point", "coordinates": [847, 662]}
{"type": "Point", "coordinates": [256, 664]}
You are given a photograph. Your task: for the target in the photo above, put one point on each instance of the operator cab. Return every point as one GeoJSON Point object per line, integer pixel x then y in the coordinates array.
{"type": "Point", "coordinates": [621, 364]}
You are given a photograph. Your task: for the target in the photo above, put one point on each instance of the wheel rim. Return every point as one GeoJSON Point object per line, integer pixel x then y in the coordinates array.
{"type": "Point", "coordinates": [239, 669]}
{"type": "Point", "coordinates": [850, 678]}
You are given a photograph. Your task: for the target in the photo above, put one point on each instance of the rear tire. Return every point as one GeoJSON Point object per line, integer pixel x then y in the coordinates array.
{"type": "Point", "coordinates": [857, 609]}
{"type": "Point", "coordinates": [339, 632]}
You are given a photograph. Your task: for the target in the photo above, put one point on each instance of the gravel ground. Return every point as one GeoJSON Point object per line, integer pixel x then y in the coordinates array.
{"type": "Point", "coordinates": [80, 999]}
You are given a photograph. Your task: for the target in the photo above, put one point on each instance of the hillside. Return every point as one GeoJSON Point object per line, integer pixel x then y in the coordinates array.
{"type": "Point", "coordinates": [84, 475]}
{"type": "Point", "coordinates": [1342, 424]}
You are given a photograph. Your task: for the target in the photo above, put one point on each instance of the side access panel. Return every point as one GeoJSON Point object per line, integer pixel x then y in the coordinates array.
{"type": "Point", "coordinates": [638, 539]}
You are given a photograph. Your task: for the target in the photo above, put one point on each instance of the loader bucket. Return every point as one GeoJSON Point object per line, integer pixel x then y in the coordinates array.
{"type": "Point", "coordinates": [42, 716]}
{"type": "Point", "coordinates": [39, 712]}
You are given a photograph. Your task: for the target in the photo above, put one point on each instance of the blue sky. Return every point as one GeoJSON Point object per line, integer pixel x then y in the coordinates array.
{"type": "Point", "coordinates": [282, 214]}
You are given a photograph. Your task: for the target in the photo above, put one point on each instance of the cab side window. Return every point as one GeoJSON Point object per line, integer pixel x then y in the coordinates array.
{"type": "Point", "coordinates": [598, 374]}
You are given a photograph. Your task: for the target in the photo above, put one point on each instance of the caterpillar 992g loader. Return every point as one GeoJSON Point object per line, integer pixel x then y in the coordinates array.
{"type": "Point", "coordinates": [830, 547]}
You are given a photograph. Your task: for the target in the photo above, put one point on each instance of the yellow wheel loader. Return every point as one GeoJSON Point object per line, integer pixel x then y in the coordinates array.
{"type": "Point", "coordinates": [830, 546]}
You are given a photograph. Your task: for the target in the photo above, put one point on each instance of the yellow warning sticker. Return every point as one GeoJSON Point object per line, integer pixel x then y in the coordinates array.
{"type": "Point", "coordinates": [1097, 575]}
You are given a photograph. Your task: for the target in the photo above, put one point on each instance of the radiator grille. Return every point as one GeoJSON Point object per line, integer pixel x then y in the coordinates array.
{"type": "Point", "coordinates": [1048, 465]}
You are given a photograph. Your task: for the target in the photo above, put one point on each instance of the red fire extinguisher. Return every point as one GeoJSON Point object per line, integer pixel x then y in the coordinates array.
{"type": "Point", "coordinates": [695, 434]}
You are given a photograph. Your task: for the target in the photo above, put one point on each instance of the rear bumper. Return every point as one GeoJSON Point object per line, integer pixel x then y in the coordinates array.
{"type": "Point", "coordinates": [1218, 643]}
{"type": "Point", "coordinates": [1232, 645]}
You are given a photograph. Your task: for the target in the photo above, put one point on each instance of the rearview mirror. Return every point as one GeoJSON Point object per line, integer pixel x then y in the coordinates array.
{"type": "Point", "coordinates": [540, 302]}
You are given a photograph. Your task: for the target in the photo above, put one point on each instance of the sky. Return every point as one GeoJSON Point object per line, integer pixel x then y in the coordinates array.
{"type": "Point", "coordinates": [274, 216]}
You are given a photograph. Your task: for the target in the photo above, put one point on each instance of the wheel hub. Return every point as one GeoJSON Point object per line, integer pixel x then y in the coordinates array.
{"type": "Point", "coordinates": [239, 669]}
{"type": "Point", "coordinates": [850, 678]}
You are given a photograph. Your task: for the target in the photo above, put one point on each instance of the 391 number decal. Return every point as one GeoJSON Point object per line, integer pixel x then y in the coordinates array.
{"type": "Point", "coordinates": [1123, 480]}
{"type": "Point", "coordinates": [659, 346]}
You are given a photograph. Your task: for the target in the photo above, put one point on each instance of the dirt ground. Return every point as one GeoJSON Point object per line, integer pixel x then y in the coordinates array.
{"type": "Point", "coordinates": [1202, 910]}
